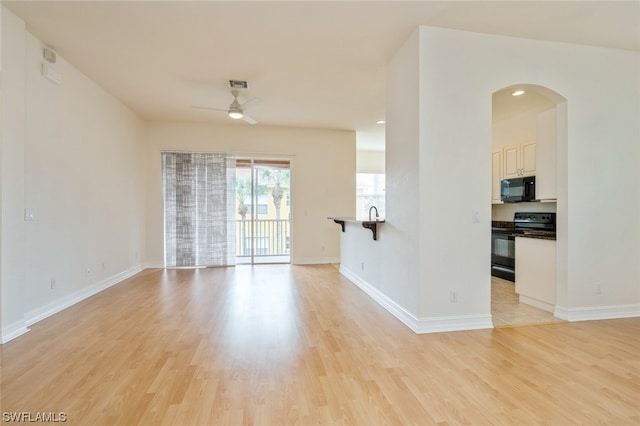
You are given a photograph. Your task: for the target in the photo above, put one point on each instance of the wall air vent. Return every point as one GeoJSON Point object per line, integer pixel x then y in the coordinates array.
{"type": "Point", "coordinates": [238, 84]}
{"type": "Point", "coordinates": [49, 55]}
{"type": "Point", "coordinates": [50, 73]}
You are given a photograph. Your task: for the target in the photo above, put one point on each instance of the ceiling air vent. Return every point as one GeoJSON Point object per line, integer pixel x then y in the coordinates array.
{"type": "Point", "coordinates": [238, 84]}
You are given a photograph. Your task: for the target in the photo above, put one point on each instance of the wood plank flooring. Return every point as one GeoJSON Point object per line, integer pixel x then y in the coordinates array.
{"type": "Point", "coordinates": [282, 344]}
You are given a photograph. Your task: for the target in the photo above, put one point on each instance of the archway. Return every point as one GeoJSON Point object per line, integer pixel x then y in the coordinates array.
{"type": "Point", "coordinates": [531, 127]}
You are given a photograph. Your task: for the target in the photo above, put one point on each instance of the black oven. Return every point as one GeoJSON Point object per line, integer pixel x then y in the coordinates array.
{"type": "Point", "coordinates": [503, 239]}
{"type": "Point", "coordinates": [503, 253]}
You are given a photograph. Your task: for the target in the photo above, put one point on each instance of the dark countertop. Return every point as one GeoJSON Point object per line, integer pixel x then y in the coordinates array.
{"type": "Point", "coordinates": [501, 224]}
{"type": "Point", "coordinates": [540, 236]}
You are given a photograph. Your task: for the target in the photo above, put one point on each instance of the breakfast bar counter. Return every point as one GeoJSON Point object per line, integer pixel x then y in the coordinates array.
{"type": "Point", "coordinates": [369, 224]}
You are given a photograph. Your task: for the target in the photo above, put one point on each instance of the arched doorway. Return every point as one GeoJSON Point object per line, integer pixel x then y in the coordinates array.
{"type": "Point", "coordinates": [529, 138]}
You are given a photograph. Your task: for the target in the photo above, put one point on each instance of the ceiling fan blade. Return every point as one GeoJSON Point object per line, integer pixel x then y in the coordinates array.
{"type": "Point", "coordinates": [209, 108]}
{"type": "Point", "coordinates": [248, 119]}
{"type": "Point", "coordinates": [250, 103]}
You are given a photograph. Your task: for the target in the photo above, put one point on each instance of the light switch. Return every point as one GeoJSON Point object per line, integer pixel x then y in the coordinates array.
{"type": "Point", "coordinates": [476, 217]}
{"type": "Point", "coordinates": [29, 215]}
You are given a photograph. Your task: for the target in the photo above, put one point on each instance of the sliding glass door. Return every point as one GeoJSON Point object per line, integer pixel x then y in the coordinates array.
{"type": "Point", "coordinates": [263, 213]}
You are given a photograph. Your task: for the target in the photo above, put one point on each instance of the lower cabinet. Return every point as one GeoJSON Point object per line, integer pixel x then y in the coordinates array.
{"type": "Point", "coordinates": [536, 271]}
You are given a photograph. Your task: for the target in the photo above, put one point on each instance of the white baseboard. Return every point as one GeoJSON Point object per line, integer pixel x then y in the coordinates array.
{"type": "Point", "coordinates": [419, 325]}
{"type": "Point", "coordinates": [537, 303]}
{"type": "Point", "coordinates": [155, 264]}
{"type": "Point", "coordinates": [21, 327]}
{"type": "Point", "coordinates": [12, 331]}
{"type": "Point", "coordinates": [314, 260]}
{"type": "Point", "coordinates": [597, 312]}
{"type": "Point", "coordinates": [56, 306]}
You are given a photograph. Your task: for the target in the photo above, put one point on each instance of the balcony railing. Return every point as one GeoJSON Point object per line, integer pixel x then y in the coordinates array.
{"type": "Point", "coordinates": [267, 237]}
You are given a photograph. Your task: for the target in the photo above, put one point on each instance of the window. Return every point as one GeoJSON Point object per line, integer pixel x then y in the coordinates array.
{"type": "Point", "coordinates": [370, 191]}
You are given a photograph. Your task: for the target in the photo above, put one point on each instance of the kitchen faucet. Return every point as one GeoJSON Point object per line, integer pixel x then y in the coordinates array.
{"type": "Point", "coordinates": [376, 209]}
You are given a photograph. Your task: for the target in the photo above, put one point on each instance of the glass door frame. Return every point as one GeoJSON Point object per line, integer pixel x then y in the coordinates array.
{"type": "Point", "coordinates": [253, 163]}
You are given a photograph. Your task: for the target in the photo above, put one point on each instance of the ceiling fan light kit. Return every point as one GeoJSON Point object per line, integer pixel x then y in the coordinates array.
{"type": "Point", "coordinates": [236, 109]}
{"type": "Point", "coordinates": [235, 114]}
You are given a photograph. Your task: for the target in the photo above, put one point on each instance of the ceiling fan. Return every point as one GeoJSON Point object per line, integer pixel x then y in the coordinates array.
{"type": "Point", "coordinates": [236, 109]}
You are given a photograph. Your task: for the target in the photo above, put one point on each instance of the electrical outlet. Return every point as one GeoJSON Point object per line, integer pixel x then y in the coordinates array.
{"type": "Point", "coordinates": [597, 289]}
{"type": "Point", "coordinates": [453, 296]}
{"type": "Point", "coordinates": [88, 271]}
{"type": "Point", "coordinates": [29, 215]}
{"type": "Point", "coordinates": [53, 283]}
{"type": "Point", "coordinates": [362, 266]}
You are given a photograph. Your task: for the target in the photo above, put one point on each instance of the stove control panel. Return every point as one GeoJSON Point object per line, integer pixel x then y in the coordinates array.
{"type": "Point", "coordinates": [535, 221]}
{"type": "Point", "coordinates": [535, 217]}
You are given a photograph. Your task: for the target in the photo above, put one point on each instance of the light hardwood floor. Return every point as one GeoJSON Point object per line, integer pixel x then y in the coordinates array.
{"type": "Point", "coordinates": [281, 344]}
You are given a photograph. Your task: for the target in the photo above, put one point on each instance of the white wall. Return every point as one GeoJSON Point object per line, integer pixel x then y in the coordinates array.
{"type": "Point", "coordinates": [514, 130]}
{"type": "Point", "coordinates": [455, 179]}
{"type": "Point", "coordinates": [504, 212]}
{"type": "Point", "coordinates": [603, 147]}
{"type": "Point", "coordinates": [12, 267]}
{"type": "Point", "coordinates": [77, 163]}
{"type": "Point", "coordinates": [598, 175]}
{"type": "Point", "coordinates": [370, 161]}
{"type": "Point", "coordinates": [1, 259]}
{"type": "Point", "coordinates": [399, 273]}
{"type": "Point", "coordinates": [322, 177]}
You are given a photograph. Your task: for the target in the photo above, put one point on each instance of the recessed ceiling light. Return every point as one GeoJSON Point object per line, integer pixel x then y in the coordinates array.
{"type": "Point", "coordinates": [518, 93]}
{"type": "Point", "coordinates": [380, 122]}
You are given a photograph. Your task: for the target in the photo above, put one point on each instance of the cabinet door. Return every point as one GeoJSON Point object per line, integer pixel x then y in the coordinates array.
{"type": "Point", "coordinates": [511, 158]}
{"type": "Point", "coordinates": [528, 167]}
{"type": "Point", "coordinates": [536, 269]}
{"type": "Point", "coordinates": [496, 176]}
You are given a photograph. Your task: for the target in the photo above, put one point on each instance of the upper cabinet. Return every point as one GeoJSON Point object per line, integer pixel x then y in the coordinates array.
{"type": "Point", "coordinates": [519, 160]}
{"type": "Point", "coordinates": [546, 153]}
{"type": "Point", "coordinates": [510, 162]}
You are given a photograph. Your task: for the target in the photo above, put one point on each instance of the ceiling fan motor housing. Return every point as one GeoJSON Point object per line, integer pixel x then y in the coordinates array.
{"type": "Point", "coordinates": [238, 84]}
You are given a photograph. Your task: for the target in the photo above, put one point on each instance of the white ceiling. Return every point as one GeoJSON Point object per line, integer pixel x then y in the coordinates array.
{"type": "Point", "coordinates": [313, 64]}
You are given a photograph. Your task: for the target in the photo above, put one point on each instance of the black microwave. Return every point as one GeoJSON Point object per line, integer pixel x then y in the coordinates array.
{"type": "Point", "coordinates": [518, 189]}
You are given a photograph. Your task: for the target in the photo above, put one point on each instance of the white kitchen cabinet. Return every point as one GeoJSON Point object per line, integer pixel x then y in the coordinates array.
{"type": "Point", "coordinates": [496, 176]}
{"type": "Point", "coordinates": [546, 155]}
{"type": "Point", "coordinates": [529, 164]}
{"type": "Point", "coordinates": [511, 159]}
{"type": "Point", "coordinates": [536, 272]}
{"type": "Point", "coordinates": [519, 160]}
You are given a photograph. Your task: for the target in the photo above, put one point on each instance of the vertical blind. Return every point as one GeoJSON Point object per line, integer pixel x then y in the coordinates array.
{"type": "Point", "coordinates": [199, 201]}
